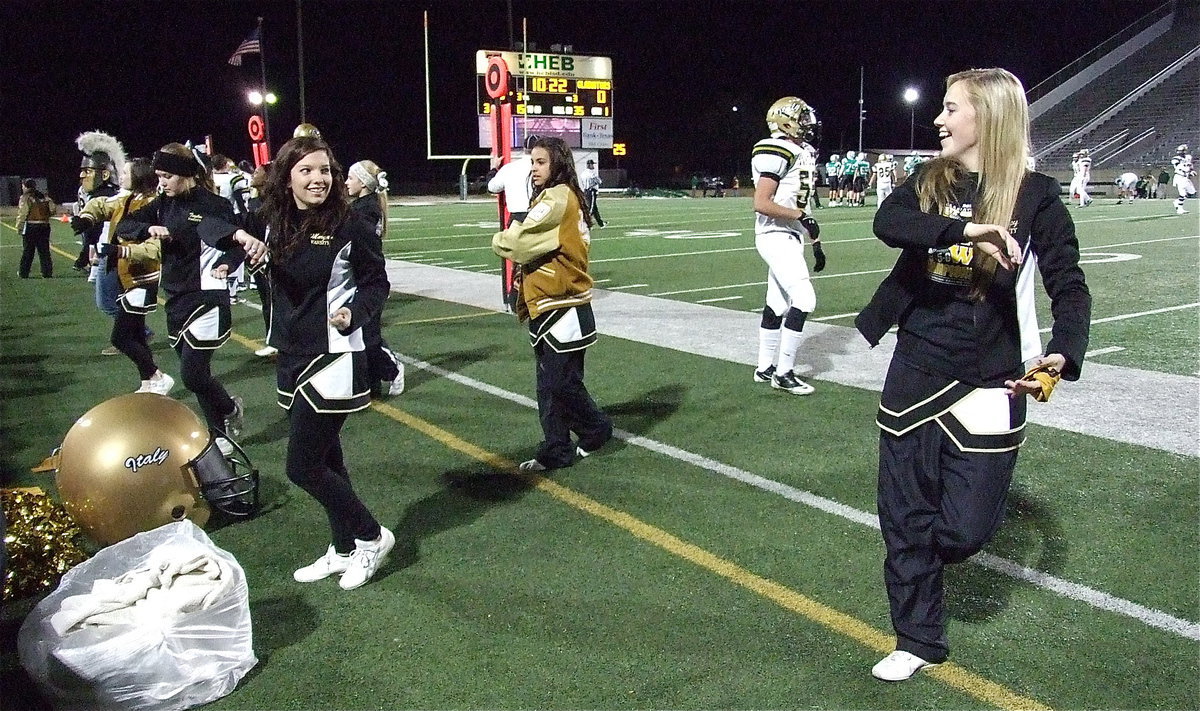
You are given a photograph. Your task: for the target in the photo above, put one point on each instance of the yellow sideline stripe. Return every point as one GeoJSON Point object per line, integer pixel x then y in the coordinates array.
{"type": "Point", "coordinates": [846, 625]}
{"type": "Point", "coordinates": [956, 676]}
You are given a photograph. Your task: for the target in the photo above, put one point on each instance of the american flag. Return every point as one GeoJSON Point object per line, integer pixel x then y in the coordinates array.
{"type": "Point", "coordinates": [248, 46]}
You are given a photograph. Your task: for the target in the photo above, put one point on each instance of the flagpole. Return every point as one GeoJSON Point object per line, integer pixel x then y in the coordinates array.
{"type": "Point", "coordinates": [300, 55]}
{"type": "Point", "coordinates": [262, 66]}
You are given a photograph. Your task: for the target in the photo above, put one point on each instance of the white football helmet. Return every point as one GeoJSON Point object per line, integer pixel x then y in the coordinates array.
{"type": "Point", "coordinates": [834, 157]}
{"type": "Point", "coordinates": [793, 118]}
{"type": "Point", "coordinates": [850, 155]}
{"type": "Point", "coordinates": [1181, 148]}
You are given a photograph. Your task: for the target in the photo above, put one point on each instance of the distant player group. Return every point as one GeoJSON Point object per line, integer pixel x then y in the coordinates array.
{"type": "Point", "coordinates": [1127, 183]}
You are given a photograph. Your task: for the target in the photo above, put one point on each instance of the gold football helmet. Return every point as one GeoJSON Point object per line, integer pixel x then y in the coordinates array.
{"type": "Point", "coordinates": [139, 461]}
{"type": "Point", "coordinates": [306, 129]}
{"type": "Point", "coordinates": [793, 118]}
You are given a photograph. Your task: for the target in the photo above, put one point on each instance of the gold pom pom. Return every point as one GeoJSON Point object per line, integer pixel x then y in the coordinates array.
{"type": "Point", "coordinates": [40, 541]}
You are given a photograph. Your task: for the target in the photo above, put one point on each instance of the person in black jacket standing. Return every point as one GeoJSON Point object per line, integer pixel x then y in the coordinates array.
{"type": "Point", "coordinates": [201, 244]}
{"type": "Point", "coordinates": [327, 282]}
{"type": "Point", "coordinates": [367, 186]}
{"type": "Point", "coordinates": [972, 225]}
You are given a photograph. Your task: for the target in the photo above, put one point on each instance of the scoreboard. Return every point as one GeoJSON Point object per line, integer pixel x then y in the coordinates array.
{"type": "Point", "coordinates": [557, 96]}
{"type": "Point", "coordinates": [566, 95]}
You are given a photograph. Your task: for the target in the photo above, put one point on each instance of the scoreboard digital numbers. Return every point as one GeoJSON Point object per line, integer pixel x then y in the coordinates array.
{"type": "Point", "coordinates": [575, 88]}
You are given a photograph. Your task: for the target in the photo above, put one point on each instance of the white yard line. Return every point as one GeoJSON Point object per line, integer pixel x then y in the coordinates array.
{"type": "Point", "coordinates": [1139, 314]}
{"type": "Point", "coordinates": [1104, 351]}
{"type": "Point", "coordinates": [836, 316]}
{"type": "Point", "coordinates": [1055, 585]}
{"type": "Point", "coordinates": [627, 286]}
{"type": "Point", "coordinates": [719, 298]}
{"type": "Point", "coordinates": [1140, 241]}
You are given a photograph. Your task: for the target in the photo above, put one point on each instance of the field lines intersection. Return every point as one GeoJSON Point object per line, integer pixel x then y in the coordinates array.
{"type": "Point", "coordinates": [1082, 593]}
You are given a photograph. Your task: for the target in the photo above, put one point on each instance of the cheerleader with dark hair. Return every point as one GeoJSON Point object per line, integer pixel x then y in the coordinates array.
{"type": "Point", "coordinates": [327, 283]}
{"type": "Point", "coordinates": [201, 243]}
{"type": "Point", "coordinates": [551, 246]}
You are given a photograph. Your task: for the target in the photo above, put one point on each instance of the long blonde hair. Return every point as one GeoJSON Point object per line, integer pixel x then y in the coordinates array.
{"type": "Point", "coordinates": [1002, 125]}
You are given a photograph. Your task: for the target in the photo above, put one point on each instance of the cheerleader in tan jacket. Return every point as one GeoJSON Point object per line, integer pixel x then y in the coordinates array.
{"type": "Point", "coordinates": [137, 266]}
{"type": "Point", "coordinates": [551, 247]}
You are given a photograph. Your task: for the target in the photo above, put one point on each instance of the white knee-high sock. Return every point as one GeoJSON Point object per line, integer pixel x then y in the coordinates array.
{"type": "Point", "coordinates": [768, 346]}
{"type": "Point", "coordinates": [788, 346]}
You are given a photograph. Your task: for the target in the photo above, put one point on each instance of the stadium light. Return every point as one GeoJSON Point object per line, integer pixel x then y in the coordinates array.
{"type": "Point", "coordinates": [911, 96]}
{"type": "Point", "coordinates": [260, 99]}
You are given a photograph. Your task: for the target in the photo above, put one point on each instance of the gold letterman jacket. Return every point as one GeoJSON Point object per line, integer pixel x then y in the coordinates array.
{"type": "Point", "coordinates": [137, 265]}
{"type": "Point", "coordinates": [551, 246]}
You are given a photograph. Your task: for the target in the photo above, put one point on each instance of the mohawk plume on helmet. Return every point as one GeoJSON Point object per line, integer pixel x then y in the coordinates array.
{"type": "Point", "coordinates": [101, 151]}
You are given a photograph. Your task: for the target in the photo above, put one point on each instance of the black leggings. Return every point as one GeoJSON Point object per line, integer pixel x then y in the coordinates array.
{"type": "Point", "coordinates": [315, 464]}
{"type": "Point", "coordinates": [129, 336]}
{"type": "Point", "coordinates": [195, 368]}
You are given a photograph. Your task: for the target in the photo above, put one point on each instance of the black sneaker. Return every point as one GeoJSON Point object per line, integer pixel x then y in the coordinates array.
{"type": "Point", "coordinates": [764, 376]}
{"type": "Point", "coordinates": [792, 384]}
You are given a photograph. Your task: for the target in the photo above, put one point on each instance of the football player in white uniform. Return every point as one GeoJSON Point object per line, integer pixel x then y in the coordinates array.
{"type": "Point", "coordinates": [1126, 184]}
{"type": "Point", "coordinates": [1182, 163]}
{"type": "Point", "coordinates": [884, 177]}
{"type": "Point", "coordinates": [833, 178]}
{"type": "Point", "coordinates": [1081, 166]}
{"type": "Point", "coordinates": [783, 166]}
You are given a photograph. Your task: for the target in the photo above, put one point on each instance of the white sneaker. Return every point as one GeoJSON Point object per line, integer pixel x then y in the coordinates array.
{"type": "Point", "coordinates": [235, 420]}
{"type": "Point", "coordinates": [329, 564]}
{"type": "Point", "coordinates": [532, 465]}
{"type": "Point", "coordinates": [396, 386]}
{"type": "Point", "coordinates": [366, 559]}
{"type": "Point", "coordinates": [266, 351]}
{"type": "Point", "coordinates": [899, 666]}
{"type": "Point", "coordinates": [145, 387]}
{"type": "Point", "coordinates": [161, 384]}
{"type": "Point", "coordinates": [1180, 211]}
{"type": "Point", "coordinates": [225, 446]}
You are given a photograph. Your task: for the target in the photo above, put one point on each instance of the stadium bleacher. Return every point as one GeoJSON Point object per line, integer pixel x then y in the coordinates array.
{"type": "Point", "coordinates": [1131, 102]}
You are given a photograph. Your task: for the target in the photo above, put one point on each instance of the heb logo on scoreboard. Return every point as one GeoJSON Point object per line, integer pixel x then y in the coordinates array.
{"type": "Point", "coordinates": [596, 133]}
{"type": "Point", "coordinates": [535, 64]}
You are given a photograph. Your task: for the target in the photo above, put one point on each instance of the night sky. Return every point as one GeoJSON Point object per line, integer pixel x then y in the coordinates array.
{"type": "Point", "coordinates": [155, 72]}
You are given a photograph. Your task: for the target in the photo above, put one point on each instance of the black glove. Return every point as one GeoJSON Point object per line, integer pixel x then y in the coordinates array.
{"type": "Point", "coordinates": [818, 256]}
{"type": "Point", "coordinates": [80, 223]}
{"type": "Point", "coordinates": [814, 230]}
{"type": "Point", "coordinates": [106, 249]}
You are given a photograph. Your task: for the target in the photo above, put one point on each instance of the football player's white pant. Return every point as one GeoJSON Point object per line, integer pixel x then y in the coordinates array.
{"type": "Point", "coordinates": [1079, 185]}
{"type": "Point", "coordinates": [788, 282]}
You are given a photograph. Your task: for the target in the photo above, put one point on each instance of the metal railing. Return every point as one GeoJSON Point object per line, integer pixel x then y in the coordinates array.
{"type": "Point", "coordinates": [1121, 103]}
{"type": "Point", "coordinates": [1126, 146]}
{"type": "Point", "coordinates": [1048, 84]}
